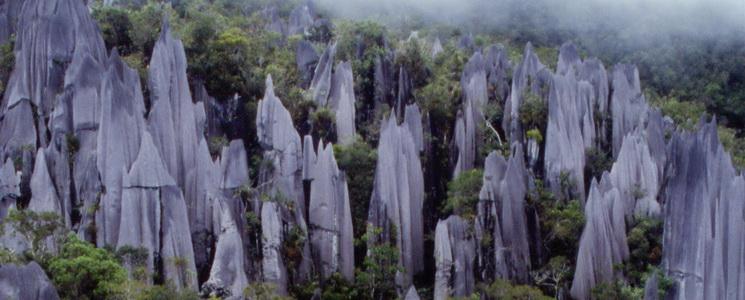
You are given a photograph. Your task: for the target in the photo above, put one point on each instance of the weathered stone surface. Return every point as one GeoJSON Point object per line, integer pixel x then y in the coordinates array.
{"type": "Point", "coordinates": [455, 253]}
{"type": "Point", "coordinates": [273, 265]}
{"type": "Point", "coordinates": [342, 102]}
{"type": "Point", "coordinates": [43, 194]}
{"type": "Point", "coordinates": [117, 144]}
{"type": "Point", "coordinates": [703, 229]}
{"type": "Point", "coordinates": [301, 19]}
{"type": "Point", "coordinates": [501, 215]}
{"type": "Point", "coordinates": [171, 121]}
{"type": "Point", "coordinates": [53, 41]}
{"type": "Point", "coordinates": [9, 11]}
{"type": "Point", "coordinates": [9, 182]}
{"type": "Point", "coordinates": [499, 70]}
{"type": "Point", "coordinates": [565, 146]}
{"type": "Point", "coordinates": [603, 241]}
{"type": "Point", "coordinates": [384, 83]}
{"type": "Point", "coordinates": [274, 23]}
{"type": "Point", "coordinates": [306, 58]}
{"type": "Point", "coordinates": [320, 86]}
{"type": "Point", "coordinates": [25, 282]}
{"type": "Point", "coordinates": [227, 271]}
{"type": "Point", "coordinates": [467, 129]}
{"type": "Point", "coordinates": [404, 92]}
{"type": "Point", "coordinates": [529, 76]}
{"type": "Point", "coordinates": [651, 288]}
{"type": "Point", "coordinates": [635, 175]}
{"type": "Point", "coordinates": [411, 294]}
{"type": "Point", "coordinates": [398, 195]}
{"type": "Point", "coordinates": [413, 119]}
{"type": "Point", "coordinates": [436, 48]}
{"type": "Point", "coordinates": [234, 166]}
{"type": "Point", "coordinates": [330, 217]}
{"type": "Point", "coordinates": [628, 103]}
{"type": "Point", "coordinates": [176, 252]}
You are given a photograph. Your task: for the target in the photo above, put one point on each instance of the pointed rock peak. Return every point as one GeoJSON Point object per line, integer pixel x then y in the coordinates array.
{"type": "Point", "coordinates": [148, 170]}
{"type": "Point", "coordinates": [43, 194]}
{"type": "Point", "coordinates": [269, 91]}
{"type": "Point", "coordinates": [165, 27]}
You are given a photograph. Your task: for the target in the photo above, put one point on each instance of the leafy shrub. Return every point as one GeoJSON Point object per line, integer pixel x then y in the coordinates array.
{"type": "Point", "coordinates": [502, 289]}
{"type": "Point", "coordinates": [533, 112]}
{"type": "Point", "coordinates": [323, 122]}
{"type": "Point", "coordinates": [82, 271]}
{"type": "Point", "coordinates": [598, 161]}
{"type": "Point", "coordinates": [463, 193]}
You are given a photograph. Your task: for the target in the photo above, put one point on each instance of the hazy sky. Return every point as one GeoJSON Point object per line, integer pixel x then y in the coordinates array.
{"type": "Point", "coordinates": [644, 18]}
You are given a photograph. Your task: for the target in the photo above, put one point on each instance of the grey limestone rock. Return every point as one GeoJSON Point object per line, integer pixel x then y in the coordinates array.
{"type": "Point", "coordinates": [603, 241]}
{"type": "Point", "coordinates": [529, 76]}
{"type": "Point", "coordinates": [436, 48]}
{"type": "Point", "coordinates": [565, 146]}
{"type": "Point", "coordinates": [455, 254]}
{"type": "Point", "coordinates": [467, 129]}
{"type": "Point", "coordinates": [301, 19]}
{"type": "Point", "coordinates": [25, 282]}
{"type": "Point", "coordinates": [322, 76]}
{"type": "Point", "coordinates": [501, 214]}
{"type": "Point", "coordinates": [703, 218]}
{"type": "Point", "coordinates": [306, 58]}
{"type": "Point", "coordinates": [629, 106]}
{"type": "Point", "coordinates": [330, 218]}
{"type": "Point", "coordinates": [342, 102]}
{"type": "Point", "coordinates": [398, 195]}
{"type": "Point", "coordinates": [273, 266]}
{"type": "Point", "coordinates": [43, 194]}
{"type": "Point", "coordinates": [413, 119]}
{"type": "Point", "coordinates": [227, 270]}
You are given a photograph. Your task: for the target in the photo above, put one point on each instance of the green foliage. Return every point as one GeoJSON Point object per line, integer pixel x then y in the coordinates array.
{"type": "Point", "coordinates": [262, 291]}
{"type": "Point", "coordinates": [376, 280]}
{"type": "Point", "coordinates": [533, 112]}
{"type": "Point", "coordinates": [337, 288]}
{"type": "Point", "coordinates": [555, 276]}
{"type": "Point", "coordinates": [502, 289]}
{"type": "Point", "coordinates": [564, 222]}
{"type": "Point", "coordinates": [73, 145]}
{"type": "Point", "coordinates": [412, 58]}
{"type": "Point", "coordinates": [645, 242]}
{"type": "Point", "coordinates": [358, 161]}
{"type": "Point", "coordinates": [598, 161]}
{"type": "Point", "coordinates": [617, 290]}
{"type": "Point", "coordinates": [463, 193]}
{"type": "Point", "coordinates": [115, 25]}
{"type": "Point", "coordinates": [685, 114]}
{"type": "Point", "coordinates": [734, 145]}
{"type": "Point", "coordinates": [82, 271]}
{"type": "Point", "coordinates": [160, 292]}
{"type": "Point", "coordinates": [292, 247]}
{"type": "Point", "coordinates": [323, 122]}
{"type": "Point", "coordinates": [534, 134]}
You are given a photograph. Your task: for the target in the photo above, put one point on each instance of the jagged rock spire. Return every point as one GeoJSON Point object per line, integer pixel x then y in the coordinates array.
{"type": "Point", "coordinates": [330, 217]}
{"type": "Point", "coordinates": [398, 195]}
{"type": "Point", "coordinates": [501, 215]}
{"type": "Point", "coordinates": [455, 253]}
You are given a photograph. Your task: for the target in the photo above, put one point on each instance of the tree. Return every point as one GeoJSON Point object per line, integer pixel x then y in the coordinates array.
{"type": "Point", "coordinates": [82, 271]}
{"type": "Point", "coordinates": [502, 289]}
{"type": "Point", "coordinates": [377, 278]}
{"type": "Point", "coordinates": [463, 193]}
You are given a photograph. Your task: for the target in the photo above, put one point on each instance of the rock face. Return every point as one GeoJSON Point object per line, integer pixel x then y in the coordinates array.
{"type": "Point", "coordinates": [398, 195]}
{"type": "Point", "coordinates": [55, 42]}
{"type": "Point", "coordinates": [467, 126]}
{"type": "Point", "coordinates": [703, 240]}
{"type": "Point", "coordinates": [628, 105]}
{"type": "Point", "coordinates": [501, 215]}
{"type": "Point", "coordinates": [330, 217]}
{"type": "Point", "coordinates": [499, 70]}
{"type": "Point", "coordinates": [227, 271]}
{"type": "Point", "coordinates": [342, 102]}
{"type": "Point", "coordinates": [273, 265]}
{"type": "Point", "coordinates": [436, 48]}
{"type": "Point", "coordinates": [603, 241]}
{"type": "Point", "coordinates": [25, 282]}
{"type": "Point", "coordinates": [306, 58]}
{"type": "Point", "coordinates": [455, 252]}
{"type": "Point", "coordinates": [529, 76]}
{"type": "Point", "coordinates": [565, 145]}
{"type": "Point", "coordinates": [301, 19]}
{"type": "Point", "coordinates": [321, 83]}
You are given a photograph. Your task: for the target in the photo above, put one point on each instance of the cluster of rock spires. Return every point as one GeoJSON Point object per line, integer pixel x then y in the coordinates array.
{"type": "Point", "coordinates": [77, 139]}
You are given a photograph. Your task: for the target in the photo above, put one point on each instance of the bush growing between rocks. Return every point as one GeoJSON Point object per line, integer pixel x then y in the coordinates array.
{"type": "Point", "coordinates": [463, 193]}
